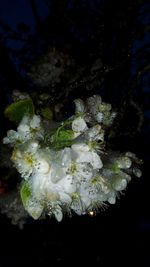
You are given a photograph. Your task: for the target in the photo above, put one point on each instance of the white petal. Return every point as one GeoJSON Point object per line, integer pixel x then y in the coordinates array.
{"type": "Point", "coordinates": [112, 200]}
{"type": "Point", "coordinates": [66, 157]}
{"type": "Point", "coordinates": [39, 184]}
{"type": "Point", "coordinates": [76, 206]}
{"type": "Point", "coordinates": [121, 185]}
{"type": "Point", "coordinates": [96, 161]}
{"type": "Point", "coordinates": [58, 214]}
{"type": "Point", "coordinates": [79, 125]}
{"type": "Point", "coordinates": [67, 184]}
{"type": "Point", "coordinates": [78, 148]}
{"type": "Point", "coordinates": [35, 209]}
{"type": "Point", "coordinates": [35, 122]}
{"type": "Point", "coordinates": [57, 173]}
{"type": "Point", "coordinates": [112, 197]}
{"type": "Point", "coordinates": [90, 157]}
{"type": "Point", "coordinates": [23, 128]}
{"type": "Point", "coordinates": [64, 197]}
{"type": "Point", "coordinates": [86, 202]}
{"type": "Point", "coordinates": [84, 157]}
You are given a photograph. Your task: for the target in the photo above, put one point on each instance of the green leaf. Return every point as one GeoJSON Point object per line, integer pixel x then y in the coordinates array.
{"type": "Point", "coordinates": [62, 138]}
{"type": "Point", "coordinates": [64, 135]}
{"type": "Point", "coordinates": [31, 205]}
{"type": "Point", "coordinates": [17, 110]}
{"type": "Point", "coordinates": [26, 193]}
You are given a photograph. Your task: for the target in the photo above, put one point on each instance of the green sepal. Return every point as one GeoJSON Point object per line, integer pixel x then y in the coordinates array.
{"type": "Point", "coordinates": [15, 111]}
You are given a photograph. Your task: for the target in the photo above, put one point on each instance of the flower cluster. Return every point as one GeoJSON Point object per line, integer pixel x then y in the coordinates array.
{"type": "Point", "coordinates": [68, 169]}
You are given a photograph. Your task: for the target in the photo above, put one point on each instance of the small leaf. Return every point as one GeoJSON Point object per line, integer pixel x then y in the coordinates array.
{"type": "Point", "coordinates": [26, 193]}
{"type": "Point", "coordinates": [31, 205]}
{"type": "Point", "coordinates": [17, 110]}
{"type": "Point", "coordinates": [62, 139]}
{"type": "Point", "coordinates": [65, 135]}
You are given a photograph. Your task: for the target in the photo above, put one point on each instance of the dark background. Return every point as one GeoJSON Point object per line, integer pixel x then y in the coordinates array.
{"type": "Point", "coordinates": [117, 32]}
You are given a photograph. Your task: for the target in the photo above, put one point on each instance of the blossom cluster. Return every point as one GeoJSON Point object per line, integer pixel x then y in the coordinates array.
{"type": "Point", "coordinates": [69, 170]}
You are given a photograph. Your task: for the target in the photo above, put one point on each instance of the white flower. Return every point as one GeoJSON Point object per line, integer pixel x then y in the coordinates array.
{"type": "Point", "coordinates": [87, 197]}
{"type": "Point", "coordinates": [23, 161]}
{"type": "Point", "coordinates": [100, 111]}
{"type": "Point", "coordinates": [29, 128]}
{"type": "Point", "coordinates": [30, 157]}
{"type": "Point", "coordinates": [78, 170]}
